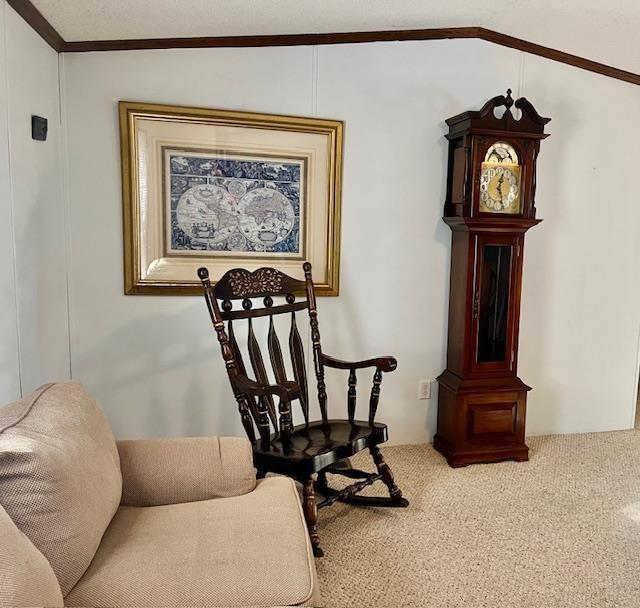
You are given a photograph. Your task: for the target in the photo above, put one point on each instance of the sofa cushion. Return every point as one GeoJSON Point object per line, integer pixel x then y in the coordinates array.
{"type": "Point", "coordinates": [60, 476]}
{"type": "Point", "coordinates": [26, 575]}
{"type": "Point", "coordinates": [249, 550]}
{"type": "Point", "coordinates": [168, 471]}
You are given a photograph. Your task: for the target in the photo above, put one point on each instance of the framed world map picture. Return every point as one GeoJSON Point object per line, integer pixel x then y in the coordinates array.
{"type": "Point", "coordinates": [225, 189]}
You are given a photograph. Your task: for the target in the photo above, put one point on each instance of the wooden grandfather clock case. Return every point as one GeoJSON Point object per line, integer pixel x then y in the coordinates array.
{"type": "Point", "coordinates": [489, 207]}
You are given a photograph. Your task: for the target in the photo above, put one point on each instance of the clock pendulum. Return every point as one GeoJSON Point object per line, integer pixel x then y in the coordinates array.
{"type": "Point", "coordinates": [490, 205]}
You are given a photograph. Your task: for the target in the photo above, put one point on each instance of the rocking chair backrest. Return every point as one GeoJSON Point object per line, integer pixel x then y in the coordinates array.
{"type": "Point", "coordinates": [266, 284]}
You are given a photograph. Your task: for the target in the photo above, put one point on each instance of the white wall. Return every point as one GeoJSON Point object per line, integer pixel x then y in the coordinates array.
{"type": "Point", "coordinates": [153, 361]}
{"type": "Point", "coordinates": [33, 325]}
{"type": "Point", "coordinates": [581, 293]}
{"type": "Point", "coordinates": [9, 358]}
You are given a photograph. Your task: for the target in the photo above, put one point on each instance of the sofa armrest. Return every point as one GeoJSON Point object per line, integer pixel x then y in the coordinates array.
{"type": "Point", "coordinates": [186, 469]}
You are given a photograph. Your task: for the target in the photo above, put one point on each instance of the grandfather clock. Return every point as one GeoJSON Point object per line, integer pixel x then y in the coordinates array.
{"type": "Point", "coordinates": [489, 207]}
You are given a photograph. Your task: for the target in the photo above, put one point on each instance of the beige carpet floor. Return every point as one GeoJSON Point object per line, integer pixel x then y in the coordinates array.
{"type": "Point", "coordinates": [560, 531]}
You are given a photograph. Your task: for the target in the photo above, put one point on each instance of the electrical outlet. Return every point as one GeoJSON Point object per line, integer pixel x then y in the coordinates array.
{"type": "Point", "coordinates": [424, 389]}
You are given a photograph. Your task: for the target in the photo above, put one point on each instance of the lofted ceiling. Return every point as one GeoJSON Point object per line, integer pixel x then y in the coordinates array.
{"type": "Point", "coordinates": [603, 32]}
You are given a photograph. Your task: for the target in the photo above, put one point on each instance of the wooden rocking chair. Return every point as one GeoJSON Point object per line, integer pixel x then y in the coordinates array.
{"type": "Point", "coordinates": [314, 447]}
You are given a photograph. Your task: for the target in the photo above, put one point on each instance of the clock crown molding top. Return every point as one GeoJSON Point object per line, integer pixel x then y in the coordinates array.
{"type": "Point", "coordinates": [492, 155]}
{"type": "Point", "coordinates": [486, 120]}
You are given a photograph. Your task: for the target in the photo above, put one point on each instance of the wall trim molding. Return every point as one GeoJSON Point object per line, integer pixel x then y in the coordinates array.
{"type": "Point", "coordinates": [38, 22]}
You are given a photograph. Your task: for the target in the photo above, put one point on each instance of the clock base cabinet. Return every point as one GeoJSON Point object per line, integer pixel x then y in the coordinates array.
{"type": "Point", "coordinates": [481, 424]}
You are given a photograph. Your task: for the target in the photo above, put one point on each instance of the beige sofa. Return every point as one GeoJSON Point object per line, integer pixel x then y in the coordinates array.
{"type": "Point", "coordinates": [88, 521]}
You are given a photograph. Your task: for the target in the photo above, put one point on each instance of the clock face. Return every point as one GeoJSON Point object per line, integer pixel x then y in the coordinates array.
{"type": "Point", "coordinates": [500, 180]}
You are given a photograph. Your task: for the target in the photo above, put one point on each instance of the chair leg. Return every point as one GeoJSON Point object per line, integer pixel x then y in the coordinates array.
{"type": "Point", "coordinates": [387, 476]}
{"type": "Point", "coordinates": [310, 510]}
{"type": "Point", "coordinates": [322, 484]}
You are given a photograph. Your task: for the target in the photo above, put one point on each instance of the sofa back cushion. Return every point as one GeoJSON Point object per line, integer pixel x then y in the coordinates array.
{"type": "Point", "coordinates": [26, 575]}
{"type": "Point", "coordinates": [60, 478]}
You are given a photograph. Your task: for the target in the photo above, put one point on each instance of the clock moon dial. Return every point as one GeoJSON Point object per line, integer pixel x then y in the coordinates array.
{"type": "Point", "coordinates": [500, 180]}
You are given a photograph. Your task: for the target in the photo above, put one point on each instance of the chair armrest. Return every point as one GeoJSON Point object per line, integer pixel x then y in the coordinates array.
{"type": "Point", "coordinates": [186, 469]}
{"type": "Point", "coordinates": [385, 364]}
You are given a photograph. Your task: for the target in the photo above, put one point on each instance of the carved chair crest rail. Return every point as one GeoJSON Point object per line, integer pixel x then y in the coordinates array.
{"type": "Point", "coordinates": [315, 446]}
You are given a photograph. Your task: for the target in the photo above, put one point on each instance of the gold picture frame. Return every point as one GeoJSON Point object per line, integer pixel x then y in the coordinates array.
{"type": "Point", "coordinates": [224, 189]}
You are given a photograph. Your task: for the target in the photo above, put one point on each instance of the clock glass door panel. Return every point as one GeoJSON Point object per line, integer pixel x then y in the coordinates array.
{"type": "Point", "coordinates": [493, 302]}
{"type": "Point", "coordinates": [493, 309]}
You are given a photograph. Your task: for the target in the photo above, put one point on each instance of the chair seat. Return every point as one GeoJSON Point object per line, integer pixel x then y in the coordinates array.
{"type": "Point", "coordinates": [316, 446]}
{"type": "Point", "coordinates": [249, 550]}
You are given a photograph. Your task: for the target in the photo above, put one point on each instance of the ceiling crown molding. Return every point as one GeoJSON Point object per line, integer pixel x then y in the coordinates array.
{"type": "Point", "coordinates": [38, 22]}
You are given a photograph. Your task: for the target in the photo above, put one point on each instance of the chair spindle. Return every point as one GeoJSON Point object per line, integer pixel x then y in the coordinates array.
{"type": "Point", "coordinates": [237, 356]}
{"type": "Point", "coordinates": [249, 402]}
{"type": "Point", "coordinates": [275, 354]}
{"type": "Point", "coordinates": [284, 407]}
{"type": "Point", "coordinates": [351, 396]}
{"type": "Point", "coordinates": [263, 424]}
{"type": "Point", "coordinates": [257, 363]}
{"type": "Point", "coordinates": [297, 360]}
{"type": "Point", "coordinates": [375, 394]}
{"type": "Point", "coordinates": [315, 339]}
{"type": "Point", "coordinates": [246, 417]}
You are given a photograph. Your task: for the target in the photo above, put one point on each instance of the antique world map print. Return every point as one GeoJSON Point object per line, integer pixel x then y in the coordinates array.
{"type": "Point", "coordinates": [230, 204]}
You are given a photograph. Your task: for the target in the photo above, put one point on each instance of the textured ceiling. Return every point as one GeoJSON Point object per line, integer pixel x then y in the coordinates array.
{"type": "Point", "coordinates": [604, 32]}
